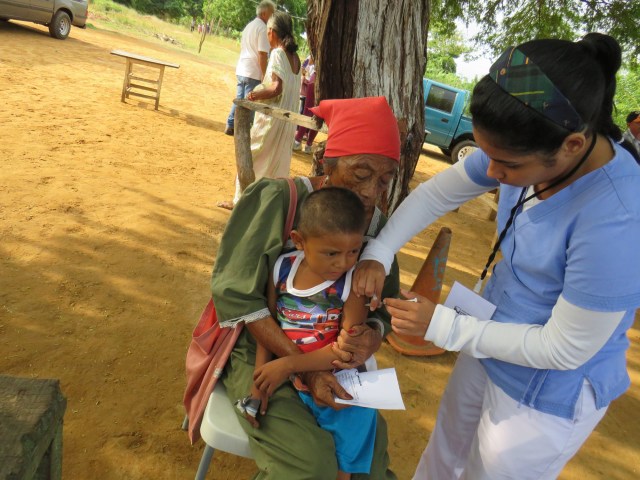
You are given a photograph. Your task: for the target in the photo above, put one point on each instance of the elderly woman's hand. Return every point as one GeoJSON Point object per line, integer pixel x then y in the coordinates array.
{"type": "Point", "coordinates": [412, 316]}
{"type": "Point", "coordinates": [354, 346]}
{"type": "Point", "coordinates": [368, 280]}
{"type": "Point", "coordinates": [323, 386]}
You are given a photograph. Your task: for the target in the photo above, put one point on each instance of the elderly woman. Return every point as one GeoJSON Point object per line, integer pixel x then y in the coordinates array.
{"type": "Point", "coordinates": [362, 153]}
{"type": "Point", "coordinates": [271, 139]}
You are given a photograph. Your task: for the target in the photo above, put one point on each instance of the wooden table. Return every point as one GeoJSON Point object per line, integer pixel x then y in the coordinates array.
{"type": "Point", "coordinates": [153, 82]}
{"type": "Point", "coordinates": [31, 412]}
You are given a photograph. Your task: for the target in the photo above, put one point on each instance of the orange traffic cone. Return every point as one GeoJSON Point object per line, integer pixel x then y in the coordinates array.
{"type": "Point", "coordinates": [428, 283]}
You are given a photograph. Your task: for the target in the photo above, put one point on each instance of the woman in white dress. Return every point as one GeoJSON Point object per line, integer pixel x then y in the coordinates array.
{"type": "Point", "coordinates": [272, 139]}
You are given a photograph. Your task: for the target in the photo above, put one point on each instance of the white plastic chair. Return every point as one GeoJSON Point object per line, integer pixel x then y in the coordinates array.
{"type": "Point", "coordinates": [221, 430]}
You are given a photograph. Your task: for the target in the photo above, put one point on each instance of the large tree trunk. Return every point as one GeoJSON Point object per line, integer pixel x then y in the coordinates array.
{"type": "Point", "coordinates": [365, 48]}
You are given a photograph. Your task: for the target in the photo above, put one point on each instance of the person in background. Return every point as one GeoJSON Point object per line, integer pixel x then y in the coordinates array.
{"type": "Point", "coordinates": [532, 381]}
{"type": "Point", "coordinates": [309, 103]}
{"type": "Point", "coordinates": [303, 85]}
{"type": "Point", "coordinates": [632, 134]}
{"type": "Point", "coordinates": [254, 55]}
{"type": "Point", "coordinates": [271, 139]}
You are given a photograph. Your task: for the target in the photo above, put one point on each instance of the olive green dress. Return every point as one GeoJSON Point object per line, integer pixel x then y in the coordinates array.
{"type": "Point", "coordinates": [289, 444]}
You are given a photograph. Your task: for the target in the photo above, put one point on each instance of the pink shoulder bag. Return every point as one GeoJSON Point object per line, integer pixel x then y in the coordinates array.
{"type": "Point", "coordinates": [211, 346]}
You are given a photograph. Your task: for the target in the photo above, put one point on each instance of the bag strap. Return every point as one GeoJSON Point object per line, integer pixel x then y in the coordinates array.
{"type": "Point", "coordinates": [291, 214]}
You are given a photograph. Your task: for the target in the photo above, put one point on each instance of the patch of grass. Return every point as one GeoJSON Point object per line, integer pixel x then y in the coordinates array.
{"type": "Point", "coordinates": [111, 16]}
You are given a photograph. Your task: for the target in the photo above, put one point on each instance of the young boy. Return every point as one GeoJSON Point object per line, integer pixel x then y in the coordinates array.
{"type": "Point", "coordinates": [311, 297]}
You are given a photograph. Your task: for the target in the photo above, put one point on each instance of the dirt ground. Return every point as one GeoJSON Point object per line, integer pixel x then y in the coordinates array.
{"type": "Point", "coordinates": [109, 229]}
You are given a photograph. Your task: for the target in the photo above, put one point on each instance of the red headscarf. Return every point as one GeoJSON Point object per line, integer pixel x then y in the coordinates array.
{"type": "Point", "coordinates": [360, 125]}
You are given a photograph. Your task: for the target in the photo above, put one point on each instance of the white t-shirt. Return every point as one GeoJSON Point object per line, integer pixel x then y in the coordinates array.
{"type": "Point", "coordinates": [254, 40]}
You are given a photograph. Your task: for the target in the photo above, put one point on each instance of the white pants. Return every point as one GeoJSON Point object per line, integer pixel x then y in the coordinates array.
{"type": "Point", "coordinates": [481, 433]}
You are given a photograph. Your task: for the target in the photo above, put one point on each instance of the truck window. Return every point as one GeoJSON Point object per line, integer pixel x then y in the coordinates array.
{"type": "Point", "coordinates": [467, 105]}
{"type": "Point", "coordinates": [441, 98]}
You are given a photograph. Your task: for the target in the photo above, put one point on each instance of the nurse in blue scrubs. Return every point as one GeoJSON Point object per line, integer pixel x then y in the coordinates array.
{"type": "Point", "coordinates": [533, 381]}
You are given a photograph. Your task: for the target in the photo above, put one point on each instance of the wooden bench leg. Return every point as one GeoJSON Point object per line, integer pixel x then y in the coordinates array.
{"type": "Point", "coordinates": [159, 86]}
{"type": "Point", "coordinates": [125, 84]}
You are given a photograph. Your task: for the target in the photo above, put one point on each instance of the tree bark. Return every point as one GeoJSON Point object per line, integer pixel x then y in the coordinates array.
{"type": "Point", "coordinates": [365, 48]}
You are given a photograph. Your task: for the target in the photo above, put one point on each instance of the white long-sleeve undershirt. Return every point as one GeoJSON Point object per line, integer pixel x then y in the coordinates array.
{"type": "Point", "coordinates": [444, 192]}
{"type": "Point", "coordinates": [568, 340]}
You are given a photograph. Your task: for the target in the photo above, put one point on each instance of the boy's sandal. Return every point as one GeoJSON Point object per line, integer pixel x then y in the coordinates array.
{"type": "Point", "coordinates": [248, 405]}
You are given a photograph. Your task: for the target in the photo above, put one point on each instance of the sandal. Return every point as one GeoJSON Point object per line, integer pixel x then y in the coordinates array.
{"type": "Point", "coordinates": [248, 405]}
{"type": "Point", "coordinates": [226, 204]}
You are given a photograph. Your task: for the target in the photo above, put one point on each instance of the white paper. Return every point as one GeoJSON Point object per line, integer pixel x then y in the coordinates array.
{"type": "Point", "coordinates": [377, 389]}
{"type": "Point", "coordinates": [467, 302]}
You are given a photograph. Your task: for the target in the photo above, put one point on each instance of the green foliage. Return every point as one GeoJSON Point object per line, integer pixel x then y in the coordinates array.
{"type": "Point", "coordinates": [627, 98]}
{"type": "Point", "coordinates": [193, 8]}
{"type": "Point", "coordinates": [160, 8]}
{"type": "Point", "coordinates": [509, 22]}
{"type": "Point", "coordinates": [444, 45]}
{"type": "Point", "coordinates": [232, 14]}
{"type": "Point", "coordinates": [235, 14]}
{"type": "Point", "coordinates": [118, 18]}
{"type": "Point", "coordinates": [106, 6]}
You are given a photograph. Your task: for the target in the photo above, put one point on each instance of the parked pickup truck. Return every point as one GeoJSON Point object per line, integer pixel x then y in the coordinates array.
{"type": "Point", "coordinates": [58, 15]}
{"type": "Point", "coordinates": [446, 125]}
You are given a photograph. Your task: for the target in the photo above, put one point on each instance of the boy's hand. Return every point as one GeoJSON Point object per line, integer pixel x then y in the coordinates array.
{"type": "Point", "coordinates": [354, 346]}
{"type": "Point", "coordinates": [271, 375]}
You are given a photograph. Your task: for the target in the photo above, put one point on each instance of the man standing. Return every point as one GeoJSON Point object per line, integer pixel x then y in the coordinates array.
{"type": "Point", "coordinates": [632, 135]}
{"type": "Point", "coordinates": [254, 55]}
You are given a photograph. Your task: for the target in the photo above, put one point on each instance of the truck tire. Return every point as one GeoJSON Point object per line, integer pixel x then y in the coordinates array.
{"type": "Point", "coordinates": [462, 150]}
{"type": "Point", "coordinates": [60, 26]}
{"type": "Point", "coordinates": [446, 151]}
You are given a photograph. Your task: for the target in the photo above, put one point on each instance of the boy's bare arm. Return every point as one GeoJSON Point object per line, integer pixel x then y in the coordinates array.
{"type": "Point", "coordinates": [354, 311]}
{"type": "Point", "coordinates": [263, 356]}
{"type": "Point", "coordinates": [351, 354]}
{"type": "Point", "coordinates": [270, 376]}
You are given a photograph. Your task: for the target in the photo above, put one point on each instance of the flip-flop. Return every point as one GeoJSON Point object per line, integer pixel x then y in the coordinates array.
{"type": "Point", "coordinates": [227, 205]}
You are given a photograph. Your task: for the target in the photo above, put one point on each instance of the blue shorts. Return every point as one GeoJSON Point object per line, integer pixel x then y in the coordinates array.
{"type": "Point", "coordinates": [353, 430]}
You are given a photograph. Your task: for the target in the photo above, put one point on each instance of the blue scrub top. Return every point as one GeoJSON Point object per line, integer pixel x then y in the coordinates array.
{"type": "Point", "coordinates": [584, 243]}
